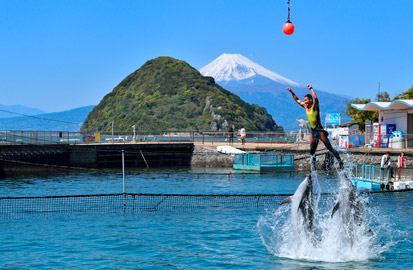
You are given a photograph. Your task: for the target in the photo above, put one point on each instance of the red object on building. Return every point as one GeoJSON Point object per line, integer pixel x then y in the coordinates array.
{"type": "Point", "coordinates": [288, 28]}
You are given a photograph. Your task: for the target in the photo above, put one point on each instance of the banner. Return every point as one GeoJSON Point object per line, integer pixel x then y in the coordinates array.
{"type": "Point", "coordinates": [333, 118]}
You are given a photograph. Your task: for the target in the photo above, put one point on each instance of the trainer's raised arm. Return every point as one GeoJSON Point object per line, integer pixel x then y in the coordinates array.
{"type": "Point", "coordinates": [312, 92]}
{"type": "Point", "coordinates": [294, 96]}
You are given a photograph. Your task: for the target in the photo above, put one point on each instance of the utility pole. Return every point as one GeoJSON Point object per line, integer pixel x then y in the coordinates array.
{"type": "Point", "coordinates": [112, 132]}
{"type": "Point", "coordinates": [378, 95]}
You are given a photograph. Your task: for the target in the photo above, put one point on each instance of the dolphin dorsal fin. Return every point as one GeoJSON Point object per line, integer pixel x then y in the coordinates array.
{"type": "Point", "coordinates": [286, 200]}
{"type": "Point", "coordinates": [335, 208]}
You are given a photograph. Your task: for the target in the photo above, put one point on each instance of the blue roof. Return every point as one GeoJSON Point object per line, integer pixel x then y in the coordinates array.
{"type": "Point", "coordinates": [400, 104]}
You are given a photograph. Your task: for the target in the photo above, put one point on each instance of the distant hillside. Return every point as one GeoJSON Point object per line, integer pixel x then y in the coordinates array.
{"type": "Point", "coordinates": [169, 94]}
{"type": "Point", "coordinates": [4, 111]}
{"type": "Point", "coordinates": [66, 121]}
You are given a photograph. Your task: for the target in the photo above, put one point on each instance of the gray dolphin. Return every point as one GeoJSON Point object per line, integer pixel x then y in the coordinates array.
{"type": "Point", "coordinates": [304, 193]}
{"type": "Point", "coordinates": [350, 208]}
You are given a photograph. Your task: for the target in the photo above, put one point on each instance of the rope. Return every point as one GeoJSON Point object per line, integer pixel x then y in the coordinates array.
{"type": "Point", "coordinates": [288, 17]}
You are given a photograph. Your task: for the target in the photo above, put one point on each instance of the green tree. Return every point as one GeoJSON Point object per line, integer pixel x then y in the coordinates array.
{"type": "Point", "coordinates": [358, 115]}
{"type": "Point", "coordinates": [383, 96]}
{"type": "Point", "coordinates": [405, 95]}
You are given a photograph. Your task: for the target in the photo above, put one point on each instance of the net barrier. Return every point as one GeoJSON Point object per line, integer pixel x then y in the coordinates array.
{"type": "Point", "coordinates": [135, 202]}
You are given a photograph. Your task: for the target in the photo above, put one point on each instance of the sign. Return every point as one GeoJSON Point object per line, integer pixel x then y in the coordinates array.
{"type": "Point", "coordinates": [343, 131]}
{"type": "Point", "coordinates": [333, 118]}
{"type": "Point", "coordinates": [97, 136]}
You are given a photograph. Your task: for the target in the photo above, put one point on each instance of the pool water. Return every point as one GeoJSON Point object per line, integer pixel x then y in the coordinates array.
{"type": "Point", "coordinates": [211, 238]}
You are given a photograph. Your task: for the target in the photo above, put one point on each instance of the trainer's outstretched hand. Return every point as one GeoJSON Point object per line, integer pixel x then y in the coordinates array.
{"type": "Point", "coordinates": [309, 86]}
{"type": "Point", "coordinates": [289, 89]}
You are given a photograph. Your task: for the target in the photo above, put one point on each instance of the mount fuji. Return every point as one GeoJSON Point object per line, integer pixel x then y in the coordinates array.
{"type": "Point", "coordinates": [258, 85]}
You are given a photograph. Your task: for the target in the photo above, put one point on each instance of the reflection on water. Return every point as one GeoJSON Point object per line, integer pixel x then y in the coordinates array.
{"type": "Point", "coordinates": [177, 181]}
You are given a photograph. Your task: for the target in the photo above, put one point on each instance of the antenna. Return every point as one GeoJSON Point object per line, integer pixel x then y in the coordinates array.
{"type": "Point", "coordinates": [378, 95]}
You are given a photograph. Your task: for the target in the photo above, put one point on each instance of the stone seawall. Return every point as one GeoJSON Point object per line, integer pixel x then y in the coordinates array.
{"type": "Point", "coordinates": [208, 156]}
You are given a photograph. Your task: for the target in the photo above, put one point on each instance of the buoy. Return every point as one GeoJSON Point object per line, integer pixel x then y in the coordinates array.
{"type": "Point", "coordinates": [288, 28]}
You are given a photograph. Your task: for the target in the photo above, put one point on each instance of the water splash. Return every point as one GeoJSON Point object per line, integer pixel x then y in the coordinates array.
{"type": "Point", "coordinates": [335, 239]}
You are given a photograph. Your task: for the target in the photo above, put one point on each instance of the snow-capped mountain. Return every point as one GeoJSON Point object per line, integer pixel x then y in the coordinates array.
{"type": "Point", "coordinates": [257, 85]}
{"type": "Point", "coordinates": [235, 67]}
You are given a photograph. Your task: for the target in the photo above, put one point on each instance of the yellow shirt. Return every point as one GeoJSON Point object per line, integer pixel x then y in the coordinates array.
{"type": "Point", "coordinates": [312, 114]}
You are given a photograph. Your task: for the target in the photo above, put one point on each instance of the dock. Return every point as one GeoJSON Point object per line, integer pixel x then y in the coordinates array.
{"type": "Point", "coordinates": [375, 178]}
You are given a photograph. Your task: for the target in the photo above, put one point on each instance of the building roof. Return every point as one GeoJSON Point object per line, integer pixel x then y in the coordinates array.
{"type": "Point", "coordinates": [349, 124]}
{"type": "Point", "coordinates": [400, 104]}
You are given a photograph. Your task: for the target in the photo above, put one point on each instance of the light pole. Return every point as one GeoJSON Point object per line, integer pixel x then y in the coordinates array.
{"type": "Point", "coordinates": [134, 137]}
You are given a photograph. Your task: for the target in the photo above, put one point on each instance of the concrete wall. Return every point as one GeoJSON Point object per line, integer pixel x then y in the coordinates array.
{"type": "Point", "coordinates": [16, 160]}
{"type": "Point", "coordinates": [399, 118]}
{"type": "Point", "coordinates": [208, 156]}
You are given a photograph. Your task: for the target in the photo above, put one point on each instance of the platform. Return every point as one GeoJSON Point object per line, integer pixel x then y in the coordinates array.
{"type": "Point", "coordinates": [374, 178]}
{"type": "Point", "coordinates": [264, 162]}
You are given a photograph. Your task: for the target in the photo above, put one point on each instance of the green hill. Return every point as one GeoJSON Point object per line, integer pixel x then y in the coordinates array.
{"type": "Point", "coordinates": [166, 94]}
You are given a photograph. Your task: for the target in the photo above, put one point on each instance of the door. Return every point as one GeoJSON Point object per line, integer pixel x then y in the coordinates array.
{"type": "Point", "coordinates": [409, 135]}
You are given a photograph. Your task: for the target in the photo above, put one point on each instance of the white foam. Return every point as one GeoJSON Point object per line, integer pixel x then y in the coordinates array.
{"type": "Point", "coordinates": [283, 235]}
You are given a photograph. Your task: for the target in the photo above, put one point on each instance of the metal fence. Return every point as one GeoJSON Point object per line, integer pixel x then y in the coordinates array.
{"type": "Point", "coordinates": [263, 159]}
{"type": "Point", "coordinates": [376, 173]}
{"type": "Point", "coordinates": [206, 137]}
{"type": "Point", "coordinates": [51, 137]}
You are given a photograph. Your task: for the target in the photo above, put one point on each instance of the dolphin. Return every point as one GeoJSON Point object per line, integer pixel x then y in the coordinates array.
{"type": "Point", "coordinates": [304, 195]}
{"type": "Point", "coordinates": [350, 209]}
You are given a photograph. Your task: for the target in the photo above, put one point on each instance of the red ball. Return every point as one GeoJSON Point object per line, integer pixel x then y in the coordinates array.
{"type": "Point", "coordinates": [288, 28]}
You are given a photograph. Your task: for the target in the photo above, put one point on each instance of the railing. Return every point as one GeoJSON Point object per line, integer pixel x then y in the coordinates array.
{"type": "Point", "coordinates": [14, 137]}
{"type": "Point", "coordinates": [264, 159]}
{"type": "Point", "coordinates": [207, 137]}
{"type": "Point", "coordinates": [376, 173]}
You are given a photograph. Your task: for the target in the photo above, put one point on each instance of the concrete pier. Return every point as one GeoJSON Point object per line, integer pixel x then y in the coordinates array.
{"type": "Point", "coordinates": [26, 159]}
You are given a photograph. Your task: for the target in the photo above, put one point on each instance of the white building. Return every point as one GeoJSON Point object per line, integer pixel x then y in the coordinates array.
{"type": "Point", "coordinates": [398, 112]}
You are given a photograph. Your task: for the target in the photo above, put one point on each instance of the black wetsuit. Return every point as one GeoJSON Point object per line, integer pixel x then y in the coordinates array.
{"type": "Point", "coordinates": [318, 133]}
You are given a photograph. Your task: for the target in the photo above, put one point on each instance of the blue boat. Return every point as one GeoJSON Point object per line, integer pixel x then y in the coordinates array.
{"type": "Point", "coordinates": [264, 162]}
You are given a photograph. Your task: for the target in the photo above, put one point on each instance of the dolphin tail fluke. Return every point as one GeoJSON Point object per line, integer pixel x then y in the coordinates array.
{"type": "Point", "coordinates": [335, 208]}
{"type": "Point", "coordinates": [286, 200]}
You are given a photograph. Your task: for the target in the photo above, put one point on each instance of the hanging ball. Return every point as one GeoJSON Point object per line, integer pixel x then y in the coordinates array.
{"type": "Point", "coordinates": [288, 28]}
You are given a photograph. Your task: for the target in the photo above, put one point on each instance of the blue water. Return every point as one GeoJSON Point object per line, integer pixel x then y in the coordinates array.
{"type": "Point", "coordinates": [212, 239]}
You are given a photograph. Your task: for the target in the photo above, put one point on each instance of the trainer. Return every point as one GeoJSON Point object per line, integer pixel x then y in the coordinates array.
{"type": "Point", "coordinates": [317, 131]}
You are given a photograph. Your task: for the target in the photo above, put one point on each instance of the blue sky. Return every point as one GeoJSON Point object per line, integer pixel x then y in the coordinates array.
{"type": "Point", "coordinates": [59, 55]}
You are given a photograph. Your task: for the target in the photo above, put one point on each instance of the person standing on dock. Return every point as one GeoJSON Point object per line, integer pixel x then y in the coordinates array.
{"type": "Point", "coordinates": [317, 131]}
{"type": "Point", "coordinates": [386, 163]}
{"type": "Point", "coordinates": [243, 135]}
{"type": "Point", "coordinates": [401, 163]}
{"type": "Point", "coordinates": [230, 136]}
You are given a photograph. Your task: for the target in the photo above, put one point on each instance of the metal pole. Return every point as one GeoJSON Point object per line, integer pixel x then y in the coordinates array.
{"type": "Point", "coordinates": [123, 177]}
{"type": "Point", "coordinates": [123, 169]}
{"type": "Point", "coordinates": [112, 132]}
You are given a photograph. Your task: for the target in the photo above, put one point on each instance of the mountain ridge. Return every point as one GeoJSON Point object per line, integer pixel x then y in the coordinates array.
{"type": "Point", "coordinates": [230, 67]}
{"type": "Point", "coordinates": [7, 111]}
{"type": "Point", "coordinates": [69, 120]}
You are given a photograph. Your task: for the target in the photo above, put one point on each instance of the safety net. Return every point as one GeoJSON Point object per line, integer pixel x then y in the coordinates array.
{"type": "Point", "coordinates": [131, 202]}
